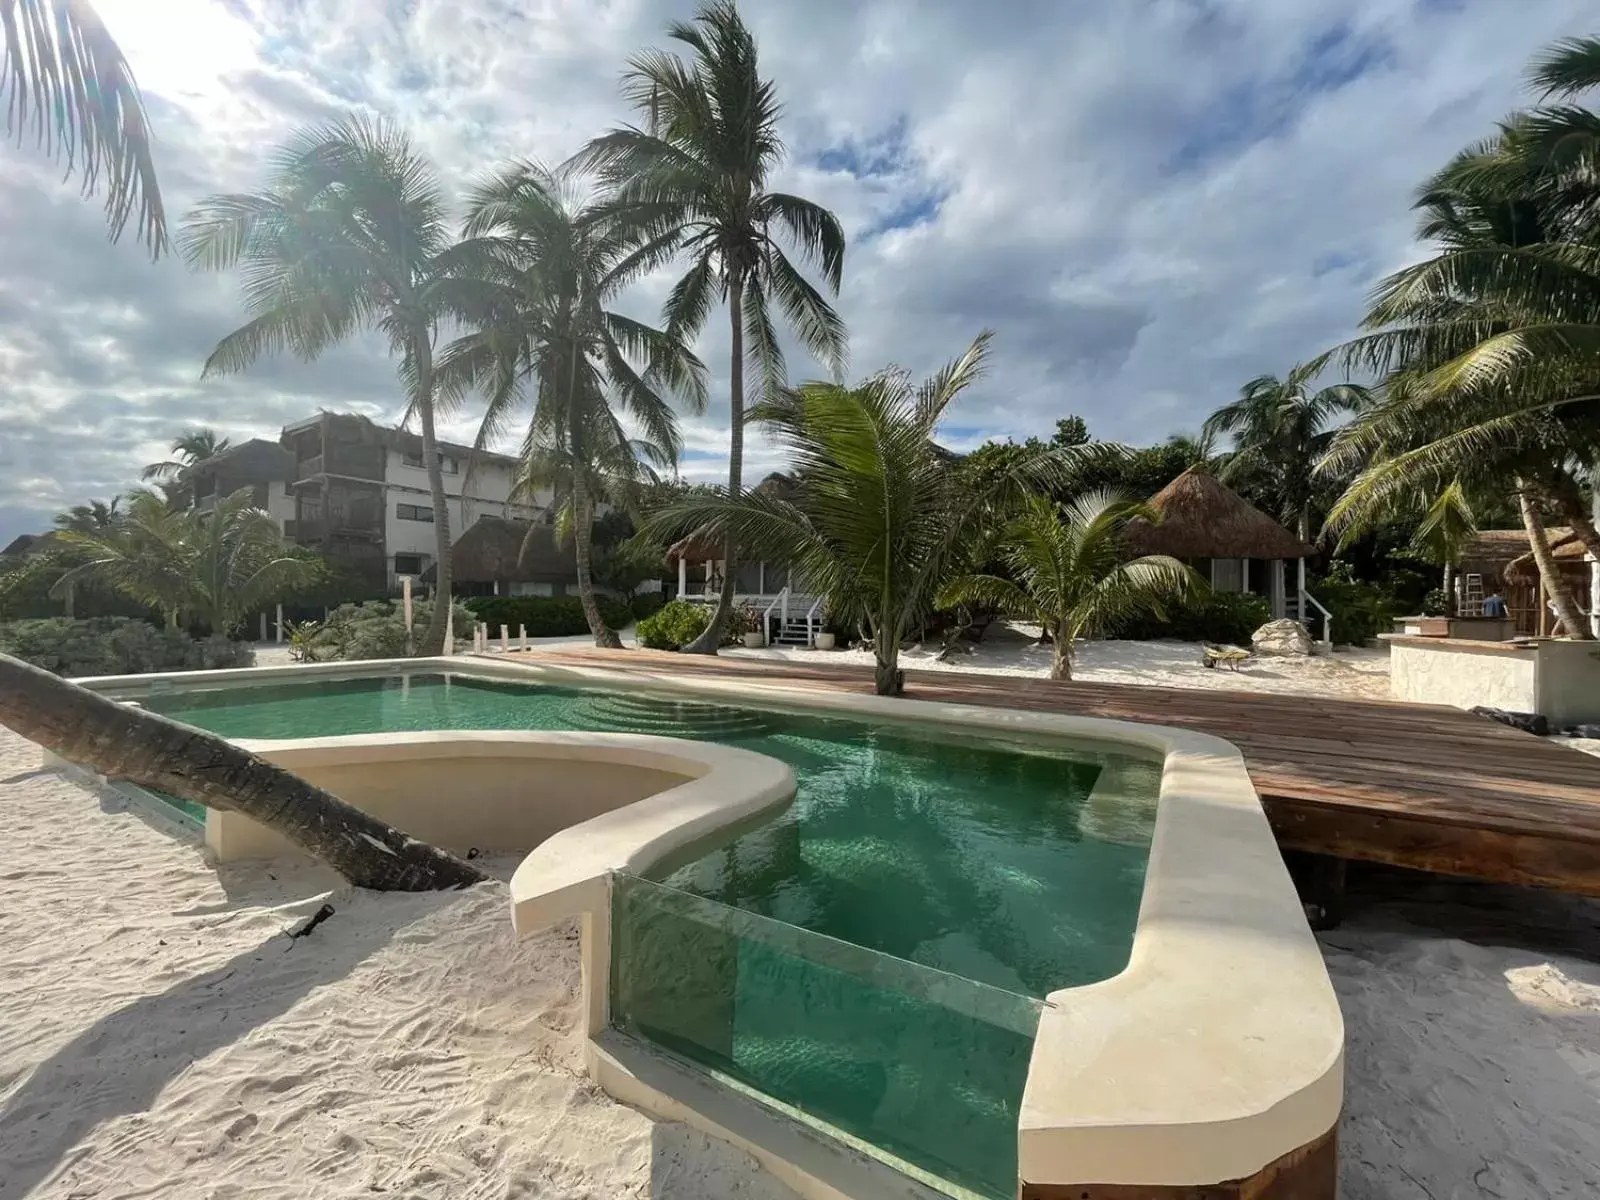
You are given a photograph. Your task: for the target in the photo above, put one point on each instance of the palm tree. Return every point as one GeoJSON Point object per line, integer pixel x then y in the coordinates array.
{"type": "Point", "coordinates": [63, 79]}
{"type": "Point", "coordinates": [93, 517]}
{"type": "Point", "coordinates": [1281, 430]}
{"type": "Point", "coordinates": [350, 233]}
{"type": "Point", "coordinates": [196, 445]}
{"type": "Point", "coordinates": [1444, 530]}
{"type": "Point", "coordinates": [1069, 572]}
{"type": "Point", "coordinates": [550, 341]}
{"type": "Point", "coordinates": [695, 180]}
{"type": "Point", "coordinates": [878, 519]}
{"type": "Point", "coordinates": [211, 569]}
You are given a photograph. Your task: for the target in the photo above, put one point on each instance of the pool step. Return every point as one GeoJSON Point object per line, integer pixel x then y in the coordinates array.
{"type": "Point", "coordinates": [671, 718]}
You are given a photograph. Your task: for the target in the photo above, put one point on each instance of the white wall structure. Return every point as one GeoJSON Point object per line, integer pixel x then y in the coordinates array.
{"type": "Point", "coordinates": [1558, 679]}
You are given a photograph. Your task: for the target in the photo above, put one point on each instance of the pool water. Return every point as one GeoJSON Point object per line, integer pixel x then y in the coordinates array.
{"type": "Point", "coordinates": [968, 859]}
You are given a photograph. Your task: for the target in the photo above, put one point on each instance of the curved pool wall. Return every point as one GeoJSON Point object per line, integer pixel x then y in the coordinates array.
{"type": "Point", "coordinates": [1215, 1055]}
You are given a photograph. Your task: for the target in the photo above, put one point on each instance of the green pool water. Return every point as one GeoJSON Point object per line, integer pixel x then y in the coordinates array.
{"type": "Point", "coordinates": [875, 956]}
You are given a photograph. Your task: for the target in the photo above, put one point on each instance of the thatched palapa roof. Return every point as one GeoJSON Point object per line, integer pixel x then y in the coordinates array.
{"type": "Point", "coordinates": [703, 546]}
{"type": "Point", "coordinates": [1507, 553]}
{"type": "Point", "coordinates": [1201, 517]}
{"type": "Point", "coordinates": [491, 551]}
{"type": "Point", "coordinates": [253, 459]}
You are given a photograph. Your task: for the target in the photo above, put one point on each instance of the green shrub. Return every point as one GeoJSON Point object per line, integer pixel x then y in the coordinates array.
{"type": "Point", "coordinates": [679, 623]}
{"type": "Point", "coordinates": [674, 626]}
{"type": "Point", "coordinates": [1436, 603]}
{"type": "Point", "coordinates": [1229, 617]}
{"type": "Point", "coordinates": [1361, 611]}
{"type": "Point", "coordinates": [647, 604]}
{"type": "Point", "coordinates": [117, 646]}
{"type": "Point", "coordinates": [547, 616]}
{"type": "Point", "coordinates": [375, 629]}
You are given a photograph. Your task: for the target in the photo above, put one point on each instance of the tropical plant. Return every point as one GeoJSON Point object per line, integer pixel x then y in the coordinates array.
{"type": "Point", "coordinates": [1444, 531]}
{"type": "Point", "coordinates": [94, 517]}
{"type": "Point", "coordinates": [350, 233]}
{"type": "Point", "coordinates": [211, 569]}
{"type": "Point", "coordinates": [878, 519]}
{"type": "Point", "coordinates": [1069, 571]}
{"type": "Point", "coordinates": [678, 623]}
{"type": "Point", "coordinates": [551, 343]}
{"type": "Point", "coordinates": [63, 78]}
{"type": "Point", "coordinates": [1281, 430]}
{"type": "Point", "coordinates": [695, 179]}
{"type": "Point", "coordinates": [196, 445]}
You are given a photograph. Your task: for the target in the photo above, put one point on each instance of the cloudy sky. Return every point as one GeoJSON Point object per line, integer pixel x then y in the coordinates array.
{"type": "Point", "coordinates": [1150, 201]}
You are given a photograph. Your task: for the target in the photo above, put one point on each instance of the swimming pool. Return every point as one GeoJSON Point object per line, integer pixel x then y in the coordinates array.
{"type": "Point", "coordinates": [981, 859]}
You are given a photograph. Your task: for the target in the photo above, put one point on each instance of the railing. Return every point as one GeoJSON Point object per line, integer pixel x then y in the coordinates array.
{"type": "Point", "coordinates": [1306, 598]}
{"type": "Point", "coordinates": [781, 602]}
{"type": "Point", "coordinates": [814, 620]}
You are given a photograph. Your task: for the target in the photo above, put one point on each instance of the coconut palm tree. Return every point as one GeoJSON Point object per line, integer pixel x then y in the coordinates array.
{"type": "Point", "coordinates": [1281, 430]}
{"type": "Point", "coordinates": [211, 569]}
{"type": "Point", "coordinates": [93, 517]}
{"type": "Point", "coordinates": [550, 343]}
{"type": "Point", "coordinates": [196, 445]}
{"type": "Point", "coordinates": [877, 519]}
{"type": "Point", "coordinates": [350, 233]}
{"type": "Point", "coordinates": [65, 84]}
{"type": "Point", "coordinates": [695, 179]}
{"type": "Point", "coordinates": [1445, 529]}
{"type": "Point", "coordinates": [1069, 571]}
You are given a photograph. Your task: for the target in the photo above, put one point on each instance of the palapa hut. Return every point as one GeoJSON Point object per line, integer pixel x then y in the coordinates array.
{"type": "Point", "coordinates": [488, 560]}
{"type": "Point", "coordinates": [700, 563]}
{"type": "Point", "coordinates": [1501, 560]}
{"type": "Point", "coordinates": [1228, 541]}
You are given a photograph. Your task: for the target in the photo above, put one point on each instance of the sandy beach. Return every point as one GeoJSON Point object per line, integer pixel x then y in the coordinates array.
{"type": "Point", "coordinates": [161, 1036]}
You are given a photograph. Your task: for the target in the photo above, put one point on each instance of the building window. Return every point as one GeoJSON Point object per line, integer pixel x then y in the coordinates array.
{"type": "Point", "coordinates": [413, 512]}
{"type": "Point", "coordinates": [446, 464]}
{"type": "Point", "coordinates": [408, 564]}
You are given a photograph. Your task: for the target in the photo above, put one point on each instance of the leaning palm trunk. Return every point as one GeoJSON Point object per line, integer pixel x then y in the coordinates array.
{"type": "Point", "coordinates": [145, 748]}
{"type": "Point", "coordinates": [1566, 606]}
{"type": "Point", "coordinates": [711, 638]}
{"type": "Point", "coordinates": [1449, 588]}
{"type": "Point", "coordinates": [433, 637]}
{"type": "Point", "coordinates": [583, 516]}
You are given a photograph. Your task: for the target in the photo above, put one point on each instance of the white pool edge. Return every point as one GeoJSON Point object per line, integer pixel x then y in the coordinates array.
{"type": "Point", "coordinates": [1216, 1052]}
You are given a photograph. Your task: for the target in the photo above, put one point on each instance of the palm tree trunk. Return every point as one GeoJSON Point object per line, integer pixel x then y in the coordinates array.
{"type": "Point", "coordinates": [1061, 655]}
{"type": "Point", "coordinates": [145, 748]}
{"type": "Point", "coordinates": [888, 678]}
{"type": "Point", "coordinates": [1555, 583]}
{"type": "Point", "coordinates": [1571, 507]}
{"type": "Point", "coordinates": [711, 638]}
{"type": "Point", "coordinates": [433, 637]}
{"type": "Point", "coordinates": [1449, 589]}
{"type": "Point", "coordinates": [583, 519]}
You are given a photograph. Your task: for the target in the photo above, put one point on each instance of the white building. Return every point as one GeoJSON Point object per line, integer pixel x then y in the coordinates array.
{"type": "Point", "coordinates": [362, 498]}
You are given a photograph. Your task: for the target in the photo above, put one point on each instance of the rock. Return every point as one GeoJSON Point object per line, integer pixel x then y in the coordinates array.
{"type": "Point", "coordinates": [1533, 723]}
{"type": "Point", "coordinates": [1282, 637]}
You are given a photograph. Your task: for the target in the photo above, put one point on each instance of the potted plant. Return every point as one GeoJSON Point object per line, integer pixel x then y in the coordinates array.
{"type": "Point", "coordinates": [826, 640]}
{"type": "Point", "coordinates": [755, 636]}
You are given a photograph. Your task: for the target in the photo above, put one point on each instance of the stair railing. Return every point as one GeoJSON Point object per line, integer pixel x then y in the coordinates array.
{"type": "Point", "coordinates": [781, 603]}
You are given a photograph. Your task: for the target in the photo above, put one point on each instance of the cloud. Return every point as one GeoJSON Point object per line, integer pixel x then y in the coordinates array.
{"type": "Point", "coordinates": [1150, 201]}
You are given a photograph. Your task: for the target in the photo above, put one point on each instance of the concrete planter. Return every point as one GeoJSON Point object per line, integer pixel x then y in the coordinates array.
{"type": "Point", "coordinates": [825, 641]}
{"type": "Point", "coordinates": [754, 641]}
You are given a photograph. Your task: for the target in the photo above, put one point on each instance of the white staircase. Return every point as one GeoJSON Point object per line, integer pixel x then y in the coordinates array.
{"type": "Point", "coordinates": [1305, 608]}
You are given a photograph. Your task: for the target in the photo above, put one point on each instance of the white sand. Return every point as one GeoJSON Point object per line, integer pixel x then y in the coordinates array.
{"type": "Point", "coordinates": [160, 1037]}
{"type": "Point", "coordinates": [1348, 672]}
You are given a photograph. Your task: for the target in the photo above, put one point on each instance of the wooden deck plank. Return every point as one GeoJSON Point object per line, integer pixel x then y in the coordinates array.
{"type": "Point", "coordinates": [1413, 785]}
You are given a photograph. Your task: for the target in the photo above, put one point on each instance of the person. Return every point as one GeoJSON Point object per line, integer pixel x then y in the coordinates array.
{"type": "Point", "coordinates": [1494, 605]}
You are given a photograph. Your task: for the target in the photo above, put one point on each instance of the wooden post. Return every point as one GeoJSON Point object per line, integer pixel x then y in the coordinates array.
{"type": "Point", "coordinates": [405, 601]}
{"type": "Point", "coordinates": [522, 637]}
{"type": "Point", "coordinates": [683, 575]}
{"type": "Point", "coordinates": [280, 624]}
{"type": "Point", "coordinates": [505, 638]}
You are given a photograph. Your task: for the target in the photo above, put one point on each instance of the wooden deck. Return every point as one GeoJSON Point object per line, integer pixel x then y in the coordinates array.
{"type": "Point", "coordinates": [1412, 785]}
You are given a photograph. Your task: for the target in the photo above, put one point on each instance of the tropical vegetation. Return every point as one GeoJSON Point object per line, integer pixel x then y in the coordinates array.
{"type": "Point", "coordinates": [1068, 571]}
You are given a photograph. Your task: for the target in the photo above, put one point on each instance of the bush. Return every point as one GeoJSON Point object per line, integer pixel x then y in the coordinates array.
{"type": "Point", "coordinates": [376, 629]}
{"type": "Point", "coordinates": [117, 646]}
{"type": "Point", "coordinates": [679, 623]}
{"type": "Point", "coordinates": [1229, 617]}
{"type": "Point", "coordinates": [674, 626]}
{"type": "Point", "coordinates": [547, 616]}
{"type": "Point", "coordinates": [1436, 603]}
{"type": "Point", "coordinates": [1361, 611]}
